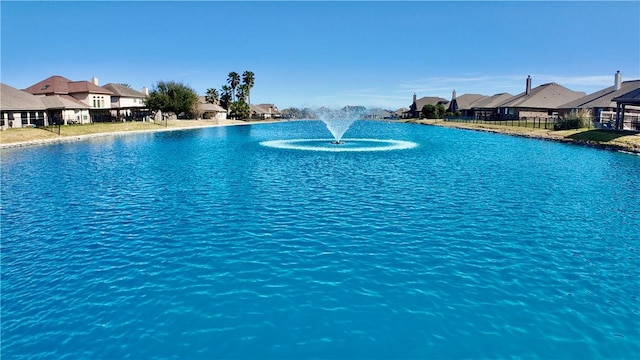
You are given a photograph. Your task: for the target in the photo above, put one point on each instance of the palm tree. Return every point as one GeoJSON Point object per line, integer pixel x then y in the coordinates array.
{"type": "Point", "coordinates": [212, 96]}
{"type": "Point", "coordinates": [248, 77]}
{"type": "Point", "coordinates": [243, 92]}
{"type": "Point", "coordinates": [225, 96]}
{"type": "Point", "coordinates": [234, 80]}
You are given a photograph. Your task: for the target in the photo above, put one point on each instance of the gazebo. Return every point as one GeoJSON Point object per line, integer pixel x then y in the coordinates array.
{"type": "Point", "coordinates": [631, 98]}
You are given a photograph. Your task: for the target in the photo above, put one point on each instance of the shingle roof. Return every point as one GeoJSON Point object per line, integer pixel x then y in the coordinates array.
{"type": "Point", "coordinates": [258, 109]}
{"type": "Point", "coordinates": [270, 108]}
{"type": "Point", "coordinates": [466, 101]}
{"type": "Point", "coordinates": [87, 87]}
{"type": "Point", "coordinates": [18, 100]}
{"type": "Point", "coordinates": [602, 98]}
{"type": "Point", "coordinates": [50, 86]}
{"type": "Point", "coordinates": [121, 90]}
{"type": "Point", "coordinates": [492, 102]}
{"type": "Point", "coordinates": [632, 97]}
{"type": "Point", "coordinates": [545, 96]}
{"type": "Point", "coordinates": [430, 100]}
{"type": "Point", "coordinates": [58, 85]}
{"type": "Point", "coordinates": [63, 102]}
{"type": "Point", "coordinates": [206, 107]}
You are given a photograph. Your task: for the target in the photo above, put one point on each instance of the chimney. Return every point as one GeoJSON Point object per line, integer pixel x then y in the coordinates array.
{"type": "Point", "coordinates": [528, 90]}
{"type": "Point", "coordinates": [94, 80]}
{"type": "Point", "coordinates": [414, 98]}
{"type": "Point", "coordinates": [453, 95]}
{"type": "Point", "coordinates": [145, 91]}
{"type": "Point", "coordinates": [617, 81]}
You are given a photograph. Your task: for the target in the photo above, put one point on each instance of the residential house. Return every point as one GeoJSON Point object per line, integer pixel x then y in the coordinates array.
{"type": "Point", "coordinates": [540, 102]}
{"type": "Point", "coordinates": [88, 92]}
{"type": "Point", "coordinates": [65, 109]}
{"type": "Point", "coordinates": [399, 113]}
{"type": "Point", "coordinates": [20, 109]}
{"type": "Point", "coordinates": [632, 99]}
{"type": "Point", "coordinates": [127, 103]}
{"type": "Point", "coordinates": [601, 106]}
{"type": "Point", "coordinates": [486, 108]}
{"type": "Point", "coordinates": [378, 113]}
{"type": "Point", "coordinates": [211, 111]}
{"type": "Point", "coordinates": [463, 103]}
{"type": "Point", "coordinates": [264, 111]}
{"type": "Point", "coordinates": [416, 107]}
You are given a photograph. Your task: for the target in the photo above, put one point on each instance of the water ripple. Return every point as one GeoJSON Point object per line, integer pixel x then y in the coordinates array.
{"type": "Point", "coordinates": [208, 245]}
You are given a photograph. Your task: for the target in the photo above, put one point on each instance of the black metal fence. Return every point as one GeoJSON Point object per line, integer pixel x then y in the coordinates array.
{"type": "Point", "coordinates": [553, 123]}
{"type": "Point", "coordinates": [550, 123]}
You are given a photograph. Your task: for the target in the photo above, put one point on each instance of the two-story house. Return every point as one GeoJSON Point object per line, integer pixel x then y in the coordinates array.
{"type": "Point", "coordinates": [127, 103]}
{"type": "Point", "coordinates": [88, 93]}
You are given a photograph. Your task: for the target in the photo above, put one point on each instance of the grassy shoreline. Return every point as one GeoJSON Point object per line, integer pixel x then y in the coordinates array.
{"type": "Point", "coordinates": [622, 141]}
{"type": "Point", "coordinates": [39, 136]}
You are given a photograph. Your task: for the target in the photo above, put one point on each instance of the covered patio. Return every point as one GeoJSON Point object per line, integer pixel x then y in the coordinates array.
{"type": "Point", "coordinates": [631, 99]}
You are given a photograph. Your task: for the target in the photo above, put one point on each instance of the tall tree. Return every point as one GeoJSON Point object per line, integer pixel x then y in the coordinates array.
{"type": "Point", "coordinates": [233, 80]}
{"type": "Point", "coordinates": [212, 96]}
{"type": "Point", "coordinates": [172, 96]}
{"type": "Point", "coordinates": [225, 96]}
{"type": "Point", "coordinates": [243, 92]}
{"type": "Point", "coordinates": [248, 78]}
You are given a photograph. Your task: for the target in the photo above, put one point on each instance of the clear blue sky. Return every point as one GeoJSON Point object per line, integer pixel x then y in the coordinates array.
{"type": "Point", "coordinates": [325, 53]}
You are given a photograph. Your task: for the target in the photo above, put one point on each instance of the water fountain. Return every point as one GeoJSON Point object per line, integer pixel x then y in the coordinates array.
{"type": "Point", "coordinates": [338, 122]}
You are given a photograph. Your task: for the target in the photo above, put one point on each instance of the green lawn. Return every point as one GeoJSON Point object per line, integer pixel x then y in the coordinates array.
{"type": "Point", "coordinates": [34, 134]}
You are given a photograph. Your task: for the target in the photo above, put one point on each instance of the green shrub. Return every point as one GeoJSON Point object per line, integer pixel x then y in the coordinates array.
{"type": "Point", "coordinates": [576, 120]}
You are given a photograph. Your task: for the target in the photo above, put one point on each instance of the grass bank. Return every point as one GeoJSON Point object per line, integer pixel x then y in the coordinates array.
{"type": "Point", "coordinates": [627, 141]}
{"type": "Point", "coordinates": [35, 136]}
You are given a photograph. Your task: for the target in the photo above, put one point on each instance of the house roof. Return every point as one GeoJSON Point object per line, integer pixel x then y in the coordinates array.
{"type": "Point", "coordinates": [467, 100]}
{"type": "Point", "coordinates": [491, 102]}
{"type": "Point", "coordinates": [400, 111]}
{"type": "Point", "coordinates": [258, 109]}
{"type": "Point", "coordinates": [545, 96]}
{"type": "Point", "coordinates": [602, 98]}
{"type": "Point", "coordinates": [63, 102]}
{"type": "Point", "coordinates": [58, 85]}
{"type": "Point", "coordinates": [18, 100]}
{"type": "Point", "coordinates": [123, 91]}
{"type": "Point", "coordinates": [378, 112]}
{"type": "Point", "coordinates": [206, 107]}
{"type": "Point", "coordinates": [430, 100]}
{"type": "Point", "coordinates": [632, 97]}
{"type": "Point", "coordinates": [273, 109]}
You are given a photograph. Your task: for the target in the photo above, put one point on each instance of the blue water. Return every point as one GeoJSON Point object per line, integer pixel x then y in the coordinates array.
{"type": "Point", "coordinates": [206, 244]}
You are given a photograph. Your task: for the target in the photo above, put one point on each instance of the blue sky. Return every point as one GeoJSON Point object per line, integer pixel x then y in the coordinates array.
{"type": "Point", "coordinates": [331, 53]}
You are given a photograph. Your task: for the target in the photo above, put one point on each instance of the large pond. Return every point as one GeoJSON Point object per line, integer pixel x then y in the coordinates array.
{"type": "Point", "coordinates": [208, 244]}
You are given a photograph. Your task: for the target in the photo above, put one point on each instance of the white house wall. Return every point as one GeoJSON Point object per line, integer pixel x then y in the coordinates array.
{"type": "Point", "coordinates": [76, 116]}
{"type": "Point", "coordinates": [130, 102]}
{"type": "Point", "coordinates": [87, 98]}
{"type": "Point", "coordinates": [18, 119]}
